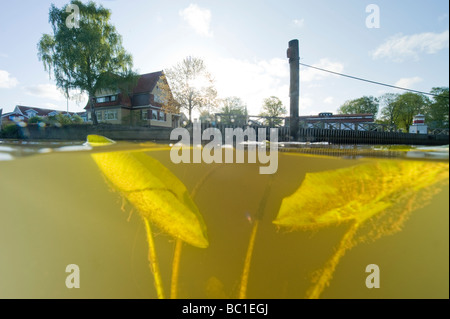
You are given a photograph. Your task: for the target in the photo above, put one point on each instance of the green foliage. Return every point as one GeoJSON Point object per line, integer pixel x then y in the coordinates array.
{"type": "Point", "coordinates": [408, 105]}
{"type": "Point", "coordinates": [233, 111]}
{"type": "Point", "coordinates": [399, 109]}
{"type": "Point", "coordinates": [206, 117]}
{"type": "Point", "coordinates": [88, 58]}
{"type": "Point", "coordinates": [35, 120]}
{"type": "Point", "coordinates": [273, 107]}
{"type": "Point", "coordinates": [437, 114]}
{"type": "Point", "coordinates": [76, 119]}
{"type": "Point", "coordinates": [61, 119]}
{"type": "Point", "coordinates": [388, 114]}
{"type": "Point", "coordinates": [10, 131]}
{"type": "Point", "coordinates": [365, 104]}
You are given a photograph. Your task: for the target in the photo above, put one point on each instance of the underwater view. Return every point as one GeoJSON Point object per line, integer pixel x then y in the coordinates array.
{"type": "Point", "coordinates": [121, 220]}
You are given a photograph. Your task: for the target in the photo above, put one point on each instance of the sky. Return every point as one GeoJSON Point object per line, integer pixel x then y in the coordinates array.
{"type": "Point", "coordinates": [243, 44]}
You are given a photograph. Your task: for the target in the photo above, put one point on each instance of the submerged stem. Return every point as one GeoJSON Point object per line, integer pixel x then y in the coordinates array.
{"type": "Point", "coordinates": [154, 267]}
{"type": "Point", "coordinates": [179, 244]}
{"type": "Point", "coordinates": [251, 244]}
{"type": "Point", "coordinates": [176, 269]}
{"type": "Point", "coordinates": [248, 260]}
{"type": "Point", "coordinates": [327, 272]}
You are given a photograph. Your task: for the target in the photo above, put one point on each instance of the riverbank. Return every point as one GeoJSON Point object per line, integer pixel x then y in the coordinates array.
{"type": "Point", "coordinates": [80, 131]}
{"type": "Point", "coordinates": [152, 133]}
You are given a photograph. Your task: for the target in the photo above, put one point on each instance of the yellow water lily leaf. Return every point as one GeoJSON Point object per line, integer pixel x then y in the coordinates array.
{"type": "Point", "coordinates": [356, 193]}
{"type": "Point", "coordinates": [156, 193]}
{"type": "Point", "coordinates": [98, 140]}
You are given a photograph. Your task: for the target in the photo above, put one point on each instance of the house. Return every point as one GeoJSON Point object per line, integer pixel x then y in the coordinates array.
{"type": "Point", "coordinates": [12, 117]}
{"type": "Point", "coordinates": [29, 112]}
{"type": "Point", "coordinates": [145, 105]}
{"type": "Point", "coordinates": [23, 113]}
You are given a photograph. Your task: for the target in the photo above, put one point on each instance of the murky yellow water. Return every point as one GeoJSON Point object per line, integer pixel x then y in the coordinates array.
{"type": "Point", "coordinates": [60, 208]}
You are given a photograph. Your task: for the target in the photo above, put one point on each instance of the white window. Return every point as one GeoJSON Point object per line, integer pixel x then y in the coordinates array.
{"type": "Point", "coordinates": [162, 116]}
{"type": "Point", "coordinates": [154, 115]}
{"type": "Point", "coordinates": [105, 99]}
{"type": "Point", "coordinates": [111, 115]}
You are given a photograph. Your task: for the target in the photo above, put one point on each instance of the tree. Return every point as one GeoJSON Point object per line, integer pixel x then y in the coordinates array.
{"type": "Point", "coordinates": [206, 117]}
{"type": "Point", "coordinates": [365, 104]}
{"type": "Point", "coordinates": [273, 107]}
{"type": "Point", "coordinates": [439, 108]}
{"type": "Point", "coordinates": [388, 111]}
{"type": "Point", "coordinates": [89, 57]}
{"type": "Point", "coordinates": [192, 85]}
{"type": "Point", "coordinates": [407, 106]}
{"type": "Point", "coordinates": [233, 111]}
{"type": "Point", "coordinates": [35, 120]}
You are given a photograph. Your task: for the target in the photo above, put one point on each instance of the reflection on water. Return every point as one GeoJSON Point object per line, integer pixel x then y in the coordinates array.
{"type": "Point", "coordinates": [102, 207]}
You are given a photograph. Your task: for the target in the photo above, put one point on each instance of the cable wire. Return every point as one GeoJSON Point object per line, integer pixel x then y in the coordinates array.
{"type": "Point", "coordinates": [374, 82]}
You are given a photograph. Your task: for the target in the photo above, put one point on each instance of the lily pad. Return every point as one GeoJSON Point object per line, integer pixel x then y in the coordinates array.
{"type": "Point", "coordinates": [98, 140]}
{"type": "Point", "coordinates": [356, 193]}
{"type": "Point", "coordinates": [156, 193]}
{"type": "Point", "coordinates": [382, 192]}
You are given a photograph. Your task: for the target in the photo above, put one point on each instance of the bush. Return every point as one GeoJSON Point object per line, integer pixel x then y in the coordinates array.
{"type": "Point", "coordinates": [10, 131]}
{"type": "Point", "coordinates": [35, 120]}
{"type": "Point", "coordinates": [76, 119]}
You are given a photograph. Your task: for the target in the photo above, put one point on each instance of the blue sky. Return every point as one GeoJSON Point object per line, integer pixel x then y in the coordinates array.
{"type": "Point", "coordinates": [244, 46]}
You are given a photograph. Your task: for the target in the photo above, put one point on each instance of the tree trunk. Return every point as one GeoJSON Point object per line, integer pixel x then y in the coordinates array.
{"type": "Point", "coordinates": [93, 115]}
{"type": "Point", "coordinates": [190, 111]}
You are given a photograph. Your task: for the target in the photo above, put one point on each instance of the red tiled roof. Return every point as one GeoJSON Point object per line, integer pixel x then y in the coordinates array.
{"type": "Point", "coordinates": [147, 82]}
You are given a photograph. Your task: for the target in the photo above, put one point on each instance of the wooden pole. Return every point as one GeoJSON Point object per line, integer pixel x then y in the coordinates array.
{"type": "Point", "coordinates": [294, 91]}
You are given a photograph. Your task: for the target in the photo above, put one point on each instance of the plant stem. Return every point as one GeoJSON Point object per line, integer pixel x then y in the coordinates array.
{"type": "Point", "coordinates": [248, 260]}
{"type": "Point", "coordinates": [179, 243]}
{"type": "Point", "coordinates": [153, 261]}
{"type": "Point", "coordinates": [327, 272]}
{"type": "Point", "coordinates": [176, 268]}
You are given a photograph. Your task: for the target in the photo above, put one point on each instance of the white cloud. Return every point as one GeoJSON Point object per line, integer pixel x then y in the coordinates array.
{"type": "Point", "coordinates": [6, 81]}
{"type": "Point", "coordinates": [399, 47]}
{"type": "Point", "coordinates": [310, 74]}
{"type": "Point", "coordinates": [198, 18]}
{"type": "Point", "coordinates": [408, 82]}
{"type": "Point", "coordinates": [252, 81]}
{"type": "Point", "coordinates": [46, 91]}
{"type": "Point", "coordinates": [299, 22]}
{"type": "Point", "coordinates": [328, 100]}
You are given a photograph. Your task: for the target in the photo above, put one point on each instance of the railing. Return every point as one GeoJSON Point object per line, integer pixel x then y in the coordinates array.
{"type": "Point", "coordinates": [364, 135]}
